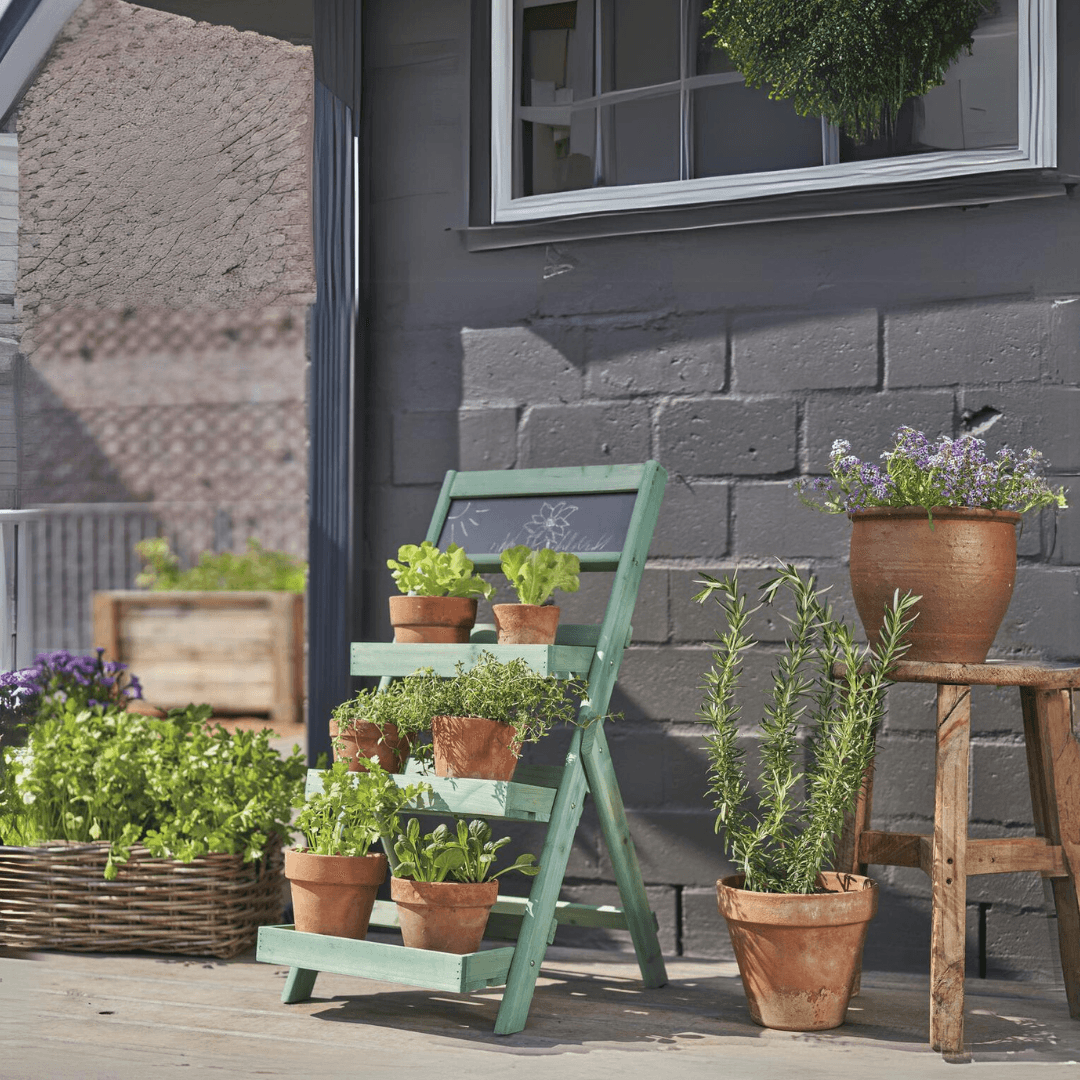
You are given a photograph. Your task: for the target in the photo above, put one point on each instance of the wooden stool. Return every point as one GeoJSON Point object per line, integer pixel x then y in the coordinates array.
{"type": "Point", "coordinates": [949, 857]}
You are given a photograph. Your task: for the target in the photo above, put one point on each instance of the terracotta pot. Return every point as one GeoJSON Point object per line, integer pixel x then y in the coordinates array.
{"type": "Point", "coordinates": [475, 747]}
{"type": "Point", "coordinates": [526, 624]}
{"type": "Point", "coordinates": [963, 568]}
{"type": "Point", "coordinates": [444, 916]}
{"type": "Point", "coordinates": [363, 739]}
{"type": "Point", "coordinates": [333, 894]}
{"type": "Point", "coordinates": [432, 619]}
{"type": "Point", "coordinates": [798, 954]}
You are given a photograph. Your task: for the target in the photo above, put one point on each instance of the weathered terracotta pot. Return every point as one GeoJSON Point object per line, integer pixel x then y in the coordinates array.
{"type": "Point", "coordinates": [526, 624]}
{"type": "Point", "coordinates": [333, 894]}
{"type": "Point", "coordinates": [363, 739]}
{"type": "Point", "coordinates": [473, 746]}
{"type": "Point", "coordinates": [432, 619]}
{"type": "Point", "coordinates": [963, 568]}
{"type": "Point", "coordinates": [444, 916]}
{"type": "Point", "coordinates": [798, 954]}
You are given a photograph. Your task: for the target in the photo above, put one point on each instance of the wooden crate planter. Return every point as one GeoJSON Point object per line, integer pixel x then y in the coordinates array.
{"type": "Point", "coordinates": [55, 896]}
{"type": "Point", "coordinates": [241, 652]}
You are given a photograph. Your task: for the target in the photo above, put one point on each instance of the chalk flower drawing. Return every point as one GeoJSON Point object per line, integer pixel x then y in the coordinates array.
{"type": "Point", "coordinates": [550, 526]}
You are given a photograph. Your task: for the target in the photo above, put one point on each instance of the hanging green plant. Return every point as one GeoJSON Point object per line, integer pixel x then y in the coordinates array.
{"type": "Point", "coordinates": [855, 62]}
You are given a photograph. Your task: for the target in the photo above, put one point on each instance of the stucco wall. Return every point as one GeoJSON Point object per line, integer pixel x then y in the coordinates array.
{"type": "Point", "coordinates": [735, 356]}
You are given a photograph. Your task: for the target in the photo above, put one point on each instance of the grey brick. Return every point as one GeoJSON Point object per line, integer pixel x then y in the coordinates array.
{"type": "Point", "coordinates": [662, 901]}
{"type": "Point", "coordinates": [425, 446]}
{"type": "Point", "coordinates": [952, 344]}
{"type": "Point", "coordinates": [1061, 529]}
{"type": "Point", "coordinates": [660, 683]}
{"type": "Point", "coordinates": [728, 437]}
{"type": "Point", "coordinates": [903, 779]}
{"type": "Point", "coordinates": [704, 932]}
{"type": "Point", "coordinates": [685, 768]}
{"type": "Point", "coordinates": [1063, 356]}
{"type": "Point", "coordinates": [1021, 944]}
{"type": "Point", "coordinates": [639, 754]}
{"type": "Point", "coordinates": [487, 438]}
{"type": "Point", "coordinates": [999, 784]}
{"type": "Point", "coordinates": [1042, 617]}
{"type": "Point", "coordinates": [868, 421]}
{"type": "Point", "coordinates": [1044, 417]}
{"type": "Point", "coordinates": [899, 938]}
{"type": "Point", "coordinates": [675, 848]}
{"type": "Point", "coordinates": [650, 618]}
{"type": "Point", "coordinates": [417, 369]}
{"type": "Point", "coordinates": [995, 710]}
{"type": "Point", "coordinates": [770, 522]}
{"type": "Point", "coordinates": [521, 365]}
{"type": "Point", "coordinates": [910, 707]}
{"type": "Point", "coordinates": [669, 357]}
{"type": "Point", "coordinates": [592, 434]}
{"type": "Point", "coordinates": [791, 351]}
{"type": "Point", "coordinates": [693, 520]}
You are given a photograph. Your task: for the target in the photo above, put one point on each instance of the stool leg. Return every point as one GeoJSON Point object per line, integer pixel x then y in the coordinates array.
{"type": "Point", "coordinates": [1054, 773]}
{"type": "Point", "coordinates": [948, 876]}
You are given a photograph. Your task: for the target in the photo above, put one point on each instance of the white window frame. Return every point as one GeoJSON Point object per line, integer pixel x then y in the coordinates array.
{"type": "Point", "coordinates": [1037, 143]}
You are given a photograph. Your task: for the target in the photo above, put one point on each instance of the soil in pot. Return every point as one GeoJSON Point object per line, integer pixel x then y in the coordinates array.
{"type": "Point", "coordinates": [389, 747]}
{"type": "Point", "coordinates": [526, 624]}
{"type": "Point", "coordinates": [432, 619]}
{"type": "Point", "coordinates": [963, 568]}
{"type": "Point", "coordinates": [471, 746]}
{"type": "Point", "coordinates": [443, 916]}
{"type": "Point", "coordinates": [333, 894]}
{"type": "Point", "coordinates": [798, 954]}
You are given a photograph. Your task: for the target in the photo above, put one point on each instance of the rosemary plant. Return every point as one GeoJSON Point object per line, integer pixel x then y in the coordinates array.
{"type": "Point", "coordinates": [781, 839]}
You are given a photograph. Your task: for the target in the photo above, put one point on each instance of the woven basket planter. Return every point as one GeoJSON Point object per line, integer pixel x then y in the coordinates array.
{"type": "Point", "coordinates": [55, 896]}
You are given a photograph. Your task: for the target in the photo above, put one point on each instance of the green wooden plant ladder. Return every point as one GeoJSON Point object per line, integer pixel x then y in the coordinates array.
{"type": "Point", "coordinates": [538, 793]}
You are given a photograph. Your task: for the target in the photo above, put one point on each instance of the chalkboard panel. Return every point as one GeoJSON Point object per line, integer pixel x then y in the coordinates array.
{"type": "Point", "coordinates": [576, 523]}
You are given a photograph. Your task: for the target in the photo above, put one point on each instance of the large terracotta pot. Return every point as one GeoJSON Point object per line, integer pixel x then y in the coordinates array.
{"type": "Point", "coordinates": [473, 746]}
{"type": "Point", "coordinates": [798, 954]}
{"type": "Point", "coordinates": [432, 619]}
{"type": "Point", "coordinates": [526, 624]}
{"type": "Point", "coordinates": [963, 568]}
{"type": "Point", "coordinates": [333, 894]}
{"type": "Point", "coordinates": [363, 739]}
{"type": "Point", "coordinates": [444, 916]}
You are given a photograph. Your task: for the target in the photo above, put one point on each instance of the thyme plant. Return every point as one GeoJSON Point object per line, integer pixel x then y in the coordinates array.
{"type": "Point", "coordinates": [779, 838]}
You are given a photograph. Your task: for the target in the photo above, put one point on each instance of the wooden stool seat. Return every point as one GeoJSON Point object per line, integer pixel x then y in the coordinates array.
{"type": "Point", "coordinates": [949, 857]}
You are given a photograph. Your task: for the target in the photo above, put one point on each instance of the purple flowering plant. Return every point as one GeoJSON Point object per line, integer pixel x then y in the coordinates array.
{"type": "Point", "coordinates": [917, 472]}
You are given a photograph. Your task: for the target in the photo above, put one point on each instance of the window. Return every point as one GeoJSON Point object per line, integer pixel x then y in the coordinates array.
{"type": "Point", "coordinates": [601, 105]}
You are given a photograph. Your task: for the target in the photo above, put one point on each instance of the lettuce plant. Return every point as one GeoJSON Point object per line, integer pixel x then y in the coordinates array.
{"type": "Point", "coordinates": [535, 575]}
{"type": "Point", "coordinates": [424, 570]}
{"type": "Point", "coordinates": [467, 852]}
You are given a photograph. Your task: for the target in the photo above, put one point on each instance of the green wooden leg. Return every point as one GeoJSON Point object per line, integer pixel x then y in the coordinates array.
{"type": "Point", "coordinates": [604, 788]}
{"type": "Point", "coordinates": [298, 985]}
{"type": "Point", "coordinates": [535, 926]}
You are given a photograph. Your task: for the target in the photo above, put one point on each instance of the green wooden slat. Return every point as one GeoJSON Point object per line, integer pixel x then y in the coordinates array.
{"type": "Point", "coordinates": [582, 634]}
{"type": "Point", "coordinates": [575, 480]}
{"type": "Point", "coordinates": [397, 659]}
{"type": "Point", "coordinates": [512, 908]}
{"type": "Point", "coordinates": [383, 962]}
{"type": "Point", "coordinates": [549, 776]}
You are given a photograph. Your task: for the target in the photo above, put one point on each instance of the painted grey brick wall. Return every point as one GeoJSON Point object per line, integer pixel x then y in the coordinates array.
{"type": "Point", "coordinates": [736, 357]}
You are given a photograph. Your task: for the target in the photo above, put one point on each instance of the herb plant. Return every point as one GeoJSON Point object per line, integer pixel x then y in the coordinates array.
{"type": "Point", "coordinates": [778, 839]}
{"type": "Point", "coordinates": [535, 575]}
{"type": "Point", "coordinates": [401, 704]}
{"type": "Point", "coordinates": [354, 810]}
{"type": "Point", "coordinates": [854, 62]}
{"type": "Point", "coordinates": [176, 785]}
{"type": "Point", "coordinates": [424, 570]}
{"type": "Point", "coordinates": [467, 852]}
{"type": "Point", "coordinates": [256, 569]}
{"type": "Point", "coordinates": [916, 472]}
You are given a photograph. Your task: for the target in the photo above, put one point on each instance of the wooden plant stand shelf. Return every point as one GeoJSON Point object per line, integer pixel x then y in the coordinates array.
{"type": "Point", "coordinates": [949, 857]}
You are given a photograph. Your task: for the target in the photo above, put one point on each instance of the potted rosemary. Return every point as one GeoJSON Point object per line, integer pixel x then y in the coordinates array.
{"type": "Point", "coordinates": [535, 575]}
{"type": "Point", "coordinates": [796, 927]}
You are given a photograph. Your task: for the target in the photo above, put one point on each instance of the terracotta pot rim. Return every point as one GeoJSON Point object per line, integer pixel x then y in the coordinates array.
{"type": "Point", "coordinates": [444, 893]}
{"type": "Point", "coordinates": [945, 512]}
{"type": "Point", "coordinates": [833, 907]}
{"type": "Point", "coordinates": [304, 865]}
{"type": "Point", "coordinates": [516, 604]}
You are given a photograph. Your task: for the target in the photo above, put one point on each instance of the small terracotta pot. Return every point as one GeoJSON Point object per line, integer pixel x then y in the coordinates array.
{"type": "Point", "coordinates": [526, 624]}
{"type": "Point", "coordinates": [333, 894]}
{"type": "Point", "coordinates": [432, 619]}
{"type": "Point", "coordinates": [363, 739]}
{"type": "Point", "coordinates": [963, 568]}
{"type": "Point", "coordinates": [443, 916]}
{"type": "Point", "coordinates": [798, 954]}
{"type": "Point", "coordinates": [471, 746]}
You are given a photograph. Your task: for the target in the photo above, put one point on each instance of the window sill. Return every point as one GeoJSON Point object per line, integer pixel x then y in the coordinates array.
{"type": "Point", "coordinates": [963, 191]}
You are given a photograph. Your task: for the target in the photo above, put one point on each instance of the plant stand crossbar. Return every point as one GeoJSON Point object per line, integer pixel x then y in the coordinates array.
{"type": "Point", "coordinates": [554, 796]}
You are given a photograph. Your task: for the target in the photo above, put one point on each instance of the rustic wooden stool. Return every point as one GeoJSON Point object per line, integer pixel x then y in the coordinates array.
{"type": "Point", "coordinates": [949, 857]}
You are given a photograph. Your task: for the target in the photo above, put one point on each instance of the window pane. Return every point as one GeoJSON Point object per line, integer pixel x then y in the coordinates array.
{"type": "Point", "coordinates": [641, 140]}
{"type": "Point", "coordinates": [639, 43]}
{"type": "Point", "coordinates": [558, 157]}
{"type": "Point", "coordinates": [737, 129]}
{"type": "Point", "coordinates": [709, 58]}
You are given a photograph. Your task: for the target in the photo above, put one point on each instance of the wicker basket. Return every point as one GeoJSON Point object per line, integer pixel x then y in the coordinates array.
{"type": "Point", "coordinates": [55, 896]}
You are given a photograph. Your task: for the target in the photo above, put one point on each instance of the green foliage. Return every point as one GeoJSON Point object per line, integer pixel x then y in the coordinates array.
{"type": "Point", "coordinates": [855, 62]}
{"type": "Point", "coordinates": [535, 575]}
{"type": "Point", "coordinates": [402, 703]}
{"type": "Point", "coordinates": [257, 569]}
{"type": "Point", "coordinates": [424, 570]}
{"type": "Point", "coordinates": [176, 785]}
{"type": "Point", "coordinates": [467, 852]}
{"type": "Point", "coordinates": [354, 810]}
{"type": "Point", "coordinates": [779, 839]}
